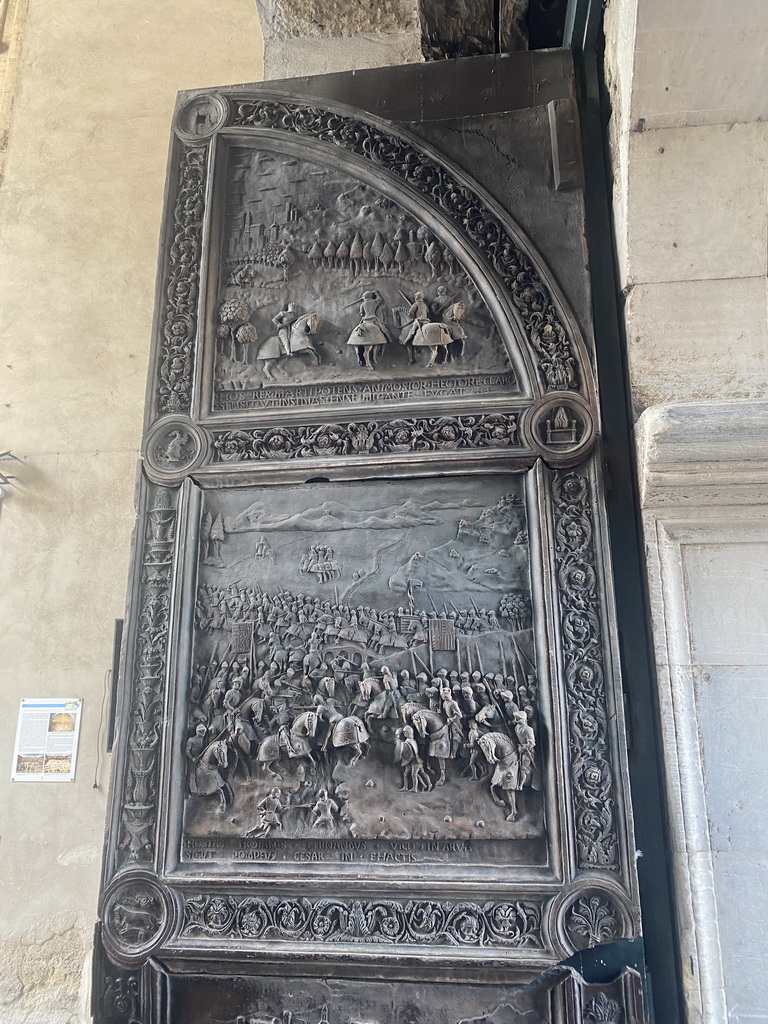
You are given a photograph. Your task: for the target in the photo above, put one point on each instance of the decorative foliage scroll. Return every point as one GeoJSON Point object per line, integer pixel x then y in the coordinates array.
{"type": "Point", "coordinates": [140, 792]}
{"type": "Point", "coordinates": [120, 998]}
{"type": "Point", "coordinates": [542, 322]}
{"type": "Point", "coordinates": [591, 920]}
{"type": "Point", "coordinates": [423, 922]}
{"type": "Point", "coordinates": [591, 773]}
{"type": "Point", "coordinates": [422, 435]}
{"type": "Point", "coordinates": [183, 285]}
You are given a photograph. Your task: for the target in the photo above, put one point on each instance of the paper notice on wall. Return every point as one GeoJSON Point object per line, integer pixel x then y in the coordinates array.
{"type": "Point", "coordinates": [46, 740]}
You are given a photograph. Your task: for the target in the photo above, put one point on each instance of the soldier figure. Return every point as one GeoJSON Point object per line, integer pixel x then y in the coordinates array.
{"type": "Point", "coordinates": [418, 314]}
{"type": "Point", "coordinates": [453, 713]}
{"type": "Point", "coordinates": [324, 810]}
{"type": "Point", "coordinates": [370, 306]}
{"type": "Point", "coordinates": [473, 770]}
{"type": "Point", "coordinates": [270, 809]}
{"type": "Point", "coordinates": [284, 320]}
{"type": "Point", "coordinates": [526, 741]}
{"type": "Point", "coordinates": [407, 754]}
{"type": "Point", "coordinates": [283, 722]}
{"type": "Point", "coordinates": [442, 301]}
{"type": "Point", "coordinates": [196, 744]}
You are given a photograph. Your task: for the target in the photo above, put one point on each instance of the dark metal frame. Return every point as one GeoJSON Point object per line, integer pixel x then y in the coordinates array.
{"type": "Point", "coordinates": [584, 35]}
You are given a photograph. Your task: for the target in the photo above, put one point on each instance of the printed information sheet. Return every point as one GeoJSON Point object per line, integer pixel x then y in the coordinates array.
{"type": "Point", "coordinates": [46, 740]}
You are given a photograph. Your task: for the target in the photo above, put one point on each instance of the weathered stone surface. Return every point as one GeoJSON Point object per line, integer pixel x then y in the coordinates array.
{"type": "Point", "coordinates": [286, 18]}
{"type": "Point", "coordinates": [697, 340]}
{"type": "Point", "coordinates": [41, 972]}
{"type": "Point", "coordinates": [698, 203]}
{"type": "Point", "coordinates": [284, 58]}
{"type": "Point", "coordinates": [436, 30]}
{"type": "Point", "coordinates": [704, 498]}
{"type": "Point", "coordinates": [354, 36]}
{"type": "Point", "coordinates": [699, 63]}
{"type": "Point", "coordinates": [670, 438]}
{"type": "Point", "coordinates": [470, 27]}
{"type": "Point", "coordinates": [460, 29]}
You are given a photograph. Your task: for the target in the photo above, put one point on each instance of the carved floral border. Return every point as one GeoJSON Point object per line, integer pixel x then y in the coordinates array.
{"type": "Point", "coordinates": [590, 751]}
{"type": "Point", "coordinates": [367, 438]}
{"type": "Point", "coordinates": [511, 924]}
{"type": "Point", "coordinates": [531, 297]}
{"type": "Point", "coordinates": [179, 326]}
{"type": "Point", "coordinates": [421, 922]}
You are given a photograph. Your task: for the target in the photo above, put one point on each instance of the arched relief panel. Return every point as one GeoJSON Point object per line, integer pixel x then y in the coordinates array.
{"type": "Point", "coordinates": [368, 236]}
{"type": "Point", "coordinates": [370, 712]}
{"type": "Point", "coordinates": [355, 228]}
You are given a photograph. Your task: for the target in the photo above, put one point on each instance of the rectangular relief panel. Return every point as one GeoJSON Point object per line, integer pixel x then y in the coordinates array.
{"type": "Point", "coordinates": [371, 757]}
{"type": "Point", "coordinates": [347, 606]}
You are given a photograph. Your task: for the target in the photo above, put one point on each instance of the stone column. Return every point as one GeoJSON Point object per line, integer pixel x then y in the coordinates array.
{"type": "Point", "coordinates": [704, 477]}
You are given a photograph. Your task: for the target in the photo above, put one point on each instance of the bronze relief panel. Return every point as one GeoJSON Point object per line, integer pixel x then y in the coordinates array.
{"type": "Point", "coordinates": [370, 712]}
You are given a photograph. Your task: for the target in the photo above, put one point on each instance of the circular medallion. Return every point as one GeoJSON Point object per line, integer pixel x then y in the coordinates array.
{"type": "Point", "coordinates": [137, 916]}
{"type": "Point", "coordinates": [593, 916]}
{"type": "Point", "coordinates": [201, 116]}
{"type": "Point", "coordinates": [174, 446]}
{"type": "Point", "coordinates": [562, 428]}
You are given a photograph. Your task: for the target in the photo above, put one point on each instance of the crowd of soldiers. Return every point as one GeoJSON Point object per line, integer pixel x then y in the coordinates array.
{"type": "Point", "coordinates": [483, 723]}
{"type": "Point", "coordinates": [294, 622]}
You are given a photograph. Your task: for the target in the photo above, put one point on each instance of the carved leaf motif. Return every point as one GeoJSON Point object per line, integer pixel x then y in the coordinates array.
{"type": "Point", "coordinates": [444, 433]}
{"type": "Point", "coordinates": [603, 1010]}
{"type": "Point", "coordinates": [594, 918]}
{"type": "Point", "coordinates": [591, 772]}
{"type": "Point", "coordinates": [138, 817]}
{"type": "Point", "coordinates": [180, 318]}
{"type": "Point", "coordinates": [379, 921]}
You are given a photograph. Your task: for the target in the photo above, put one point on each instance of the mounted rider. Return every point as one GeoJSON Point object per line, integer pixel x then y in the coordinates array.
{"type": "Point", "coordinates": [418, 315]}
{"type": "Point", "coordinates": [284, 320]}
{"type": "Point", "coordinates": [371, 333]}
{"type": "Point", "coordinates": [284, 739]}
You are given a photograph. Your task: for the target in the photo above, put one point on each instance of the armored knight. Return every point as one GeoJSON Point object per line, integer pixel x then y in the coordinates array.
{"type": "Point", "coordinates": [371, 333]}
{"type": "Point", "coordinates": [284, 320]}
{"type": "Point", "coordinates": [418, 314]}
{"type": "Point", "coordinates": [270, 809]}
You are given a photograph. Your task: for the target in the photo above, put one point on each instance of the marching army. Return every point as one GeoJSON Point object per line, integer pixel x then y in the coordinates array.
{"type": "Point", "coordinates": [292, 621]}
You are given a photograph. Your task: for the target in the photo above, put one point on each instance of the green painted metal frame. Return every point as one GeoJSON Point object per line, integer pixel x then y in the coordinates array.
{"type": "Point", "coordinates": [584, 35]}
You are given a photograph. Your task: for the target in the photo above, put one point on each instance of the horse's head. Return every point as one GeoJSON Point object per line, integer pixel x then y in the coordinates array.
{"type": "Point", "coordinates": [311, 723]}
{"type": "Point", "coordinates": [485, 713]}
{"type": "Point", "coordinates": [488, 747]}
{"type": "Point", "coordinates": [307, 324]}
{"type": "Point", "coordinates": [419, 720]}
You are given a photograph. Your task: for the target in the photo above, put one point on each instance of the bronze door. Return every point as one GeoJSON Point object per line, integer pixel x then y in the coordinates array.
{"type": "Point", "coordinates": [371, 761]}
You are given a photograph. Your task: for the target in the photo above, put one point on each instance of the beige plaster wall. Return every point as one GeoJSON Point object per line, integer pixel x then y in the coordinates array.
{"type": "Point", "coordinates": [80, 211]}
{"type": "Point", "coordinates": [93, 84]}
